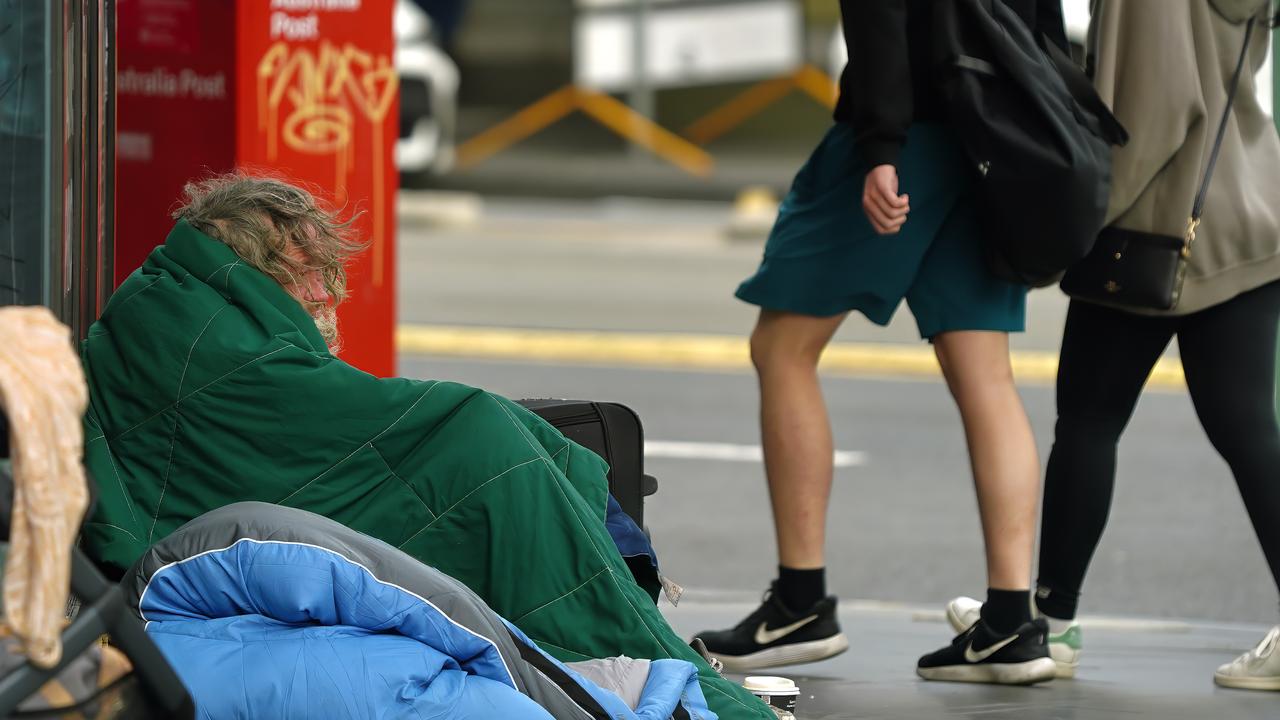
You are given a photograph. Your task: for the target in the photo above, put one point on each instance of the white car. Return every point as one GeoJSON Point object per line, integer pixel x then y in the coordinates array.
{"type": "Point", "coordinates": [428, 96]}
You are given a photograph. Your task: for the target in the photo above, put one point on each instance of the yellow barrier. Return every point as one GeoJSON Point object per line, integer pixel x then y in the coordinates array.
{"type": "Point", "coordinates": [757, 98]}
{"type": "Point", "coordinates": [631, 125]}
{"type": "Point", "coordinates": [614, 115]}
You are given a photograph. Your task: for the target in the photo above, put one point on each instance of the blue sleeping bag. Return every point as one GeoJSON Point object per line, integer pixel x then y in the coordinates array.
{"type": "Point", "coordinates": [273, 612]}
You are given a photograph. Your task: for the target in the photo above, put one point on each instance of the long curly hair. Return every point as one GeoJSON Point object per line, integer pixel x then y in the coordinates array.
{"type": "Point", "coordinates": [260, 217]}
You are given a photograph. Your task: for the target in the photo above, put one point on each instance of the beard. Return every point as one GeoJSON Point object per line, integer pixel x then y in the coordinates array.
{"type": "Point", "coordinates": [326, 317]}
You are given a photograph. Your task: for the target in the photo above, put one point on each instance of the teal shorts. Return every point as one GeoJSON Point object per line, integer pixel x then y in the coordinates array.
{"type": "Point", "coordinates": [823, 258]}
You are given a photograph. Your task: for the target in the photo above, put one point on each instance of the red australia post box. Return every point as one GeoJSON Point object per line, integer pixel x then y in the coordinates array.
{"type": "Point", "coordinates": [303, 89]}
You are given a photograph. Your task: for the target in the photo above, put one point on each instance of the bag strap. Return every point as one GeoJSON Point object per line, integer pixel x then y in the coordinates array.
{"type": "Point", "coordinates": [1198, 208]}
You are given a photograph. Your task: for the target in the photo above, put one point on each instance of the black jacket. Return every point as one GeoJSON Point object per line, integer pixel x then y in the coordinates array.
{"type": "Point", "coordinates": [889, 81]}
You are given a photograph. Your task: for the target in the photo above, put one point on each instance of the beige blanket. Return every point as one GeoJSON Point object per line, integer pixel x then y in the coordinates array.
{"type": "Point", "coordinates": [42, 390]}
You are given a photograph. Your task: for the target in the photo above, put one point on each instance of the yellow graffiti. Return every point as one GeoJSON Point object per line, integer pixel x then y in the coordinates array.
{"type": "Point", "coordinates": [322, 95]}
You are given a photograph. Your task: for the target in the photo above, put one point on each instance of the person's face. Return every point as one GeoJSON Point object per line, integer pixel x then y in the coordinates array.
{"type": "Point", "coordinates": [309, 290]}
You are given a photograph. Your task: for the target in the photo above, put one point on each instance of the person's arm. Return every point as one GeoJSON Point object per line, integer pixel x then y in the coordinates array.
{"type": "Point", "coordinates": [880, 76]}
{"type": "Point", "coordinates": [1135, 41]}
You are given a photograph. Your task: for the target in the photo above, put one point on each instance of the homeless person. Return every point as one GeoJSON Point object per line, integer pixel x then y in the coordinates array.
{"type": "Point", "coordinates": [212, 380]}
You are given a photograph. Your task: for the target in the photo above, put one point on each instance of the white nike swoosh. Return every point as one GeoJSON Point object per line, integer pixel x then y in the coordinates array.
{"type": "Point", "coordinates": [764, 636]}
{"type": "Point", "coordinates": [977, 657]}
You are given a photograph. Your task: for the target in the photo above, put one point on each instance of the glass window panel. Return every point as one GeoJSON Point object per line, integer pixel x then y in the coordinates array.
{"type": "Point", "coordinates": [24, 129]}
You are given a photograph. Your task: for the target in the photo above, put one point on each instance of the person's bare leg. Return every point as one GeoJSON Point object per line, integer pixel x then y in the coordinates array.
{"type": "Point", "coordinates": [998, 647]}
{"type": "Point", "coordinates": [795, 431]}
{"type": "Point", "coordinates": [796, 622]}
{"type": "Point", "coordinates": [1002, 450]}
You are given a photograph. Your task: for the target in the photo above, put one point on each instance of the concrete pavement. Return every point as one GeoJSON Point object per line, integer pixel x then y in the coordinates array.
{"type": "Point", "coordinates": [1129, 669]}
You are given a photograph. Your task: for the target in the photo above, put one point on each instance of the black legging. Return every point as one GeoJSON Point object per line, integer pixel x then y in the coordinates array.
{"type": "Point", "coordinates": [1229, 358]}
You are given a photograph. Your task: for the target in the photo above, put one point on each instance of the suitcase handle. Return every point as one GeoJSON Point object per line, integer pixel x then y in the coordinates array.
{"type": "Point", "coordinates": [648, 485]}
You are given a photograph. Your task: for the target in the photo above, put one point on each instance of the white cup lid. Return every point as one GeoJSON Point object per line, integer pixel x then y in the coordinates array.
{"type": "Point", "coordinates": [770, 685]}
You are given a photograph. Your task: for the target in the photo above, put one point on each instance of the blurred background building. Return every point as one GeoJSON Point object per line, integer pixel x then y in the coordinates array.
{"type": "Point", "coordinates": [746, 81]}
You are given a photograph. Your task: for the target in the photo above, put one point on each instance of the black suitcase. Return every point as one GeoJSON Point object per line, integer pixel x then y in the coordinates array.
{"type": "Point", "coordinates": [612, 431]}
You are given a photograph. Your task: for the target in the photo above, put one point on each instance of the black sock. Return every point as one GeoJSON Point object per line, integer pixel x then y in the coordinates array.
{"type": "Point", "coordinates": [800, 590]}
{"type": "Point", "coordinates": [1006, 610]}
{"type": "Point", "coordinates": [1057, 604]}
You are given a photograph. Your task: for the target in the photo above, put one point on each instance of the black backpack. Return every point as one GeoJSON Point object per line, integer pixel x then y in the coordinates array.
{"type": "Point", "coordinates": [1038, 135]}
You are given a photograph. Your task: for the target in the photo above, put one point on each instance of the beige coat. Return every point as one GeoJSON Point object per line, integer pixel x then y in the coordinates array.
{"type": "Point", "coordinates": [1164, 67]}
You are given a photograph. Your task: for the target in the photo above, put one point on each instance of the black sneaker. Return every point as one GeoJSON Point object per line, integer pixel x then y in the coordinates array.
{"type": "Point", "coordinates": [773, 635]}
{"type": "Point", "coordinates": [982, 656]}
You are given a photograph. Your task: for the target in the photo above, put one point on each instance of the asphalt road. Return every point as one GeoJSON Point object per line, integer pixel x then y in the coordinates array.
{"type": "Point", "coordinates": [904, 524]}
{"type": "Point", "coordinates": [614, 264]}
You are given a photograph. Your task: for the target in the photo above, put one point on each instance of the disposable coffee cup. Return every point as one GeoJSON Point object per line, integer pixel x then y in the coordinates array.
{"type": "Point", "coordinates": [778, 692]}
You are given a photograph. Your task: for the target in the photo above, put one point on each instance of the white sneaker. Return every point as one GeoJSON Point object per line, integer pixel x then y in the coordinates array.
{"type": "Point", "coordinates": [1064, 647]}
{"type": "Point", "coordinates": [1258, 669]}
{"type": "Point", "coordinates": [963, 612]}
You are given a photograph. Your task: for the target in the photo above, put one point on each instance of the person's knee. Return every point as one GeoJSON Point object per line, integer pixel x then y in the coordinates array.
{"type": "Point", "coordinates": [1245, 436]}
{"type": "Point", "coordinates": [1079, 431]}
{"type": "Point", "coordinates": [993, 376]}
{"type": "Point", "coordinates": [776, 346]}
{"type": "Point", "coordinates": [974, 364]}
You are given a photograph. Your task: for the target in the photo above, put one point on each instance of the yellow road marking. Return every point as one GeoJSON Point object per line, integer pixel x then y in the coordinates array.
{"type": "Point", "coordinates": [706, 352]}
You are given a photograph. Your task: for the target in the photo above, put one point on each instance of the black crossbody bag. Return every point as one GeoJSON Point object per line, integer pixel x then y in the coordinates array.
{"type": "Point", "coordinates": [1144, 270]}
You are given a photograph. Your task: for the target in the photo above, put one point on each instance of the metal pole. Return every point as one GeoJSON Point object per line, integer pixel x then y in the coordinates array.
{"type": "Point", "coordinates": [55, 132]}
{"type": "Point", "coordinates": [104, 283]}
{"type": "Point", "coordinates": [642, 96]}
{"type": "Point", "coordinates": [1275, 115]}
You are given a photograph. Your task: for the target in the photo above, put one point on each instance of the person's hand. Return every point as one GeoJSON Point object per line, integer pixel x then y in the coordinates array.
{"type": "Point", "coordinates": [885, 208]}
